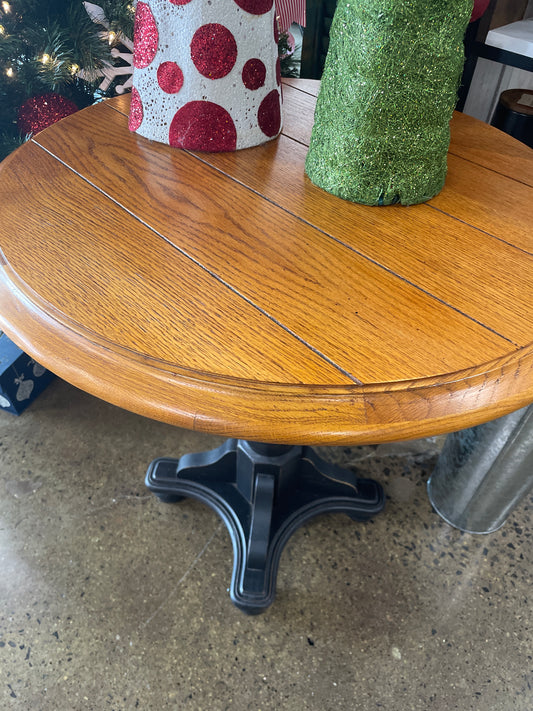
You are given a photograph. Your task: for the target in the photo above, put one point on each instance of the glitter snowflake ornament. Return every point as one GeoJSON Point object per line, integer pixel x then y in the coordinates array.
{"type": "Point", "coordinates": [206, 74]}
{"type": "Point", "coordinates": [110, 72]}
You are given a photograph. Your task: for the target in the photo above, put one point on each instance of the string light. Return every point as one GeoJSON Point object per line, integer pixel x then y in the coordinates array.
{"type": "Point", "coordinates": [74, 69]}
{"type": "Point", "coordinates": [2, 30]}
{"type": "Point", "coordinates": [111, 37]}
{"type": "Point", "coordinates": [10, 72]}
{"type": "Point", "coordinates": [45, 58]}
{"type": "Point", "coordinates": [6, 7]}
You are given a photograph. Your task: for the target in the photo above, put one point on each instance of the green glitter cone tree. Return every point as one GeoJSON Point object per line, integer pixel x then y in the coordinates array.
{"type": "Point", "coordinates": [381, 130]}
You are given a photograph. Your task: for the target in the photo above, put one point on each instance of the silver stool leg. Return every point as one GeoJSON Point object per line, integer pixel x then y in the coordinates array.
{"type": "Point", "coordinates": [484, 472]}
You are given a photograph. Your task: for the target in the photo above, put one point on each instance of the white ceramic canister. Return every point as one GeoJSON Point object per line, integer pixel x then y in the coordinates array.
{"type": "Point", "coordinates": [206, 73]}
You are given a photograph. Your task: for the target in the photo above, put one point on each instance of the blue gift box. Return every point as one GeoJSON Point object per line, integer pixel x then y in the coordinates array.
{"type": "Point", "coordinates": [21, 378]}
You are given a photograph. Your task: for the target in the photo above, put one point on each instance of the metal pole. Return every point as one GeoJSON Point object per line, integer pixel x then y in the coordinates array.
{"type": "Point", "coordinates": [484, 472]}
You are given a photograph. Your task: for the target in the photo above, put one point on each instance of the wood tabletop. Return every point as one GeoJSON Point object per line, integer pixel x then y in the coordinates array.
{"type": "Point", "coordinates": [225, 292]}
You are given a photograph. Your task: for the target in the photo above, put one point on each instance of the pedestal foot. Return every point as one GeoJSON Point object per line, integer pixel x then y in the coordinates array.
{"type": "Point", "coordinates": [263, 494]}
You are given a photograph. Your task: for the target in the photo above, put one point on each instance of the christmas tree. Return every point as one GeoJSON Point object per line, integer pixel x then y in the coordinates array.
{"type": "Point", "coordinates": [57, 56]}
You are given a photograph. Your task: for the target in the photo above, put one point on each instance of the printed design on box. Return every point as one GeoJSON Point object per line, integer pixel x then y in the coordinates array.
{"type": "Point", "coordinates": [37, 369]}
{"type": "Point", "coordinates": [206, 74]}
{"type": "Point", "coordinates": [24, 388]}
{"type": "Point", "coordinates": [22, 379]}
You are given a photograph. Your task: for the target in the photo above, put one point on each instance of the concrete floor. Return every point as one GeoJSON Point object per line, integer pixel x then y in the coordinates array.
{"type": "Point", "coordinates": [110, 599]}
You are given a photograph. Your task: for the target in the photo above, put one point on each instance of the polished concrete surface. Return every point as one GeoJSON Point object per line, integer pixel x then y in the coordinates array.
{"type": "Point", "coordinates": [112, 600]}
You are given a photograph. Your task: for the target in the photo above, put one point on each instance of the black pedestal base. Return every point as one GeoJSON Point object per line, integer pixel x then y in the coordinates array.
{"type": "Point", "coordinates": [263, 493]}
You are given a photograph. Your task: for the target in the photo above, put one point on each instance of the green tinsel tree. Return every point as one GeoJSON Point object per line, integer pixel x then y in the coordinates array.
{"type": "Point", "coordinates": [54, 46]}
{"type": "Point", "coordinates": [381, 130]}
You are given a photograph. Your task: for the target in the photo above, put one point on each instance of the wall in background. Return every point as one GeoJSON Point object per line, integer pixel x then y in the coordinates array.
{"type": "Point", "coordinates": [491, 78]}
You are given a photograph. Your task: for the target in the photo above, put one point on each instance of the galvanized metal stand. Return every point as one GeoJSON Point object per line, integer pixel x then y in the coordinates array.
{"type": "Point", "coordinates": [484, 472]}
{"type": "Point", "coordinates": [263, 492]}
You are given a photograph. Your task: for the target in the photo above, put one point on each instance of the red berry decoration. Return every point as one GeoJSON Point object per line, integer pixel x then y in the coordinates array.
{"type": "Point", "coordinates": [39, 112]}
{"type": "Point", "coordinates": [479, 8]}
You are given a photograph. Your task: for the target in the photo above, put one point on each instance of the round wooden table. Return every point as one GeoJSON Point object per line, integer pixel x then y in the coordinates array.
{"type": "Point", "coordinates": [227, 293]}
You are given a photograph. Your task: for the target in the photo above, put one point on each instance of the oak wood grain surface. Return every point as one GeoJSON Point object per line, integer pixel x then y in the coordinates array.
{"type": "Point", "coordinates": [225, 292]}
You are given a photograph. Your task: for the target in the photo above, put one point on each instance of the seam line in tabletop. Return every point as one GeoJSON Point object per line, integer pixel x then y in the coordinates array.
{"type": "Point", "coordinates": [484, 232]}
{"type": "Point", "coordinates": [480, 164]}
{"type": "Point", "coordinates": [199, 264]}
{"type": "Point", "coordinates": [211, 166]}
{"type": "Point", "coordinates": [302, 91]}
{"type": "Point", "coordinates": [358, 252]}
{"type": "Point", "coordinates": [427, 205]}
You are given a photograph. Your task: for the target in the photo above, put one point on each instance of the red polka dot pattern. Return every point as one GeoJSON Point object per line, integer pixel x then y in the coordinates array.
{"type": "Point", "coordinates": [255, 7]}
{"type": "Point", "coordinates": [269, 114]}
{"type": "Point", "coordinates": [206, 73]}
{"type": "Point", "coordinates": [254, 74]}
{"type": "Point", "coordinates": [145, 37]}
{"type": "Point", "coordinates": [203, 126]}
{"type": "Point", "coordinates": [170, 77]}
{"type": "Point", "coordinates": [136, 111]}
{"type": "Point", "coordinates": [213, 50]}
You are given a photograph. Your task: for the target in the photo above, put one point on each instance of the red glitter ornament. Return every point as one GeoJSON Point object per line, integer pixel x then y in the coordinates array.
{"type": "Point", "coordinates": [39, 112]}
{"type": "Point", "coordinates": [169, 77]}
{"type": "Point", "coordinates": [479, 9]}
{"type": "Point", "coordinates": [269, 114]}
{"type": "Point", "coordinates": [213, 50]}
{"type": "Point", "coordinates": [136, 110]}
{"type": "Point", "coordinates": [203, 126]}
{"type": "Point", "coordinates": [145, 37]}
{"type": "Point", "coordinates": [254, 74]}
{"type": "Point", "coordinates": [255, 7]}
